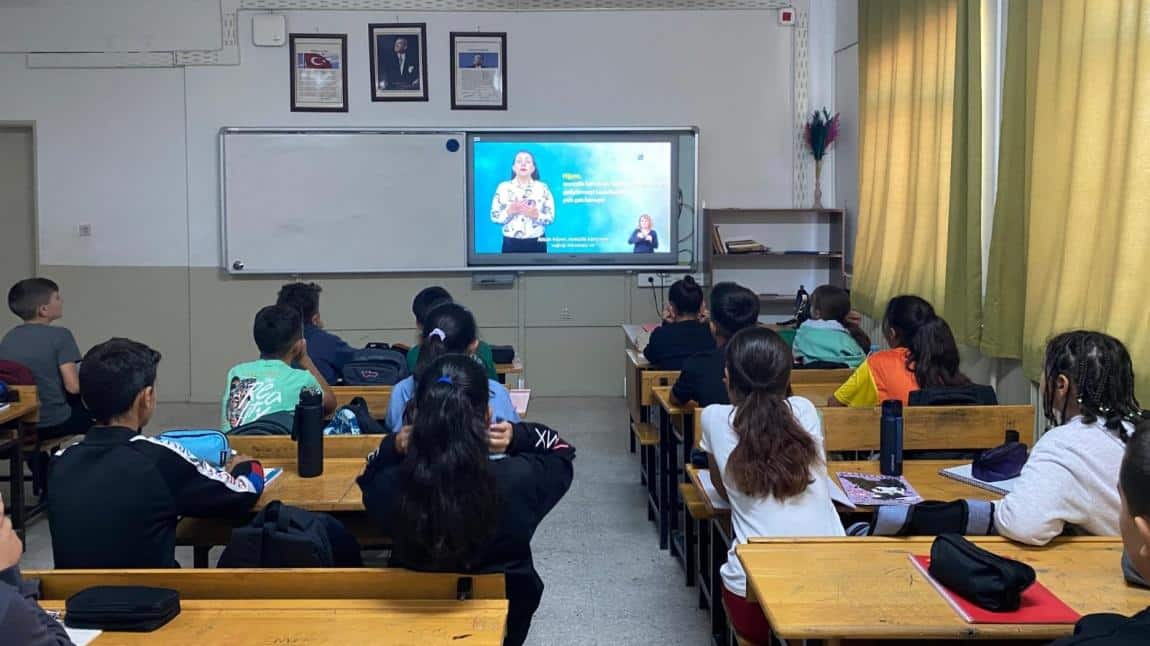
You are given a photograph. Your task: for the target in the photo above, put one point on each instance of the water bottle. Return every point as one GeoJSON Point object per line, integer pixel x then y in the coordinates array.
{"type": "Point", "coordinates": [890, 438]}
{"type": "Point", "coordinates": [307, 431]}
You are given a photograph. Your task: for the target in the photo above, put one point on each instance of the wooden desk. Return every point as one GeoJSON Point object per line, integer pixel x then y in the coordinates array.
{"type": "Point", "coordinates": [676, 430]}
{"type": "Point", "coordinates": [866, 588]}
{"type": "Point", "coordinates": [306, 607]}
{"type": "Point", "coordinates": [22, 415]}
{"type": "Point", "coordinates": [281, 448]}
{"type": "Point", "coordinates": [376, 397]}
{"type": "Point", "coordinates": [504, 369]}
{"type": "Point", "coordinates": [927, 428]}
{"type": "Point", "coordinates": [20, 412]}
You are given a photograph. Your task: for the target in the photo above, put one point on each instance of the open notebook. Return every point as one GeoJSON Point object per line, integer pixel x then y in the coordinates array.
{"type": "Point", "coordinates": [965, 473]}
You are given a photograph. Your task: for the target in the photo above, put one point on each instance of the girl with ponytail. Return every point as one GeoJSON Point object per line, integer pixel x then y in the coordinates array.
{"type": "Point", "coordinates": [767, 460]}
{"type": "Point", "coordinates": [1071, 476]}
{"type": "Point", "coordinates": [923, 354]}
{"type": "Point", "coordinates": [450, 328]}
{"type": "Point", "coordinates": [684, 331]}
{"type": "Point", "coordinates": [447, 507]}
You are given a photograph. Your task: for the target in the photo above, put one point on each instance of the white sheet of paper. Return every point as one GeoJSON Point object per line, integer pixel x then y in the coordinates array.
{"type": "Point", "coordinates": [709, 488]}
{"type": "Point", "coordinates": [520, 397]}
{"type": "Point", "coordinates": [82, 636]}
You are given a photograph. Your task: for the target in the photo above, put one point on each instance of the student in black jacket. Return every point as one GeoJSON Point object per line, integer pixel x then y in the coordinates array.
{"type": "Point", "coordinates": [733, 308]}
{"type": "Point", "coordinates": [447, 506]}
{"type": "Point", "coordinates": [1106, 629]}
{"type": "Point", "coordinates": [683, 332]}
{"type": "Point", "coordinates": [22, 620]}
{"type": "Point", "coordinates": [114, 498]}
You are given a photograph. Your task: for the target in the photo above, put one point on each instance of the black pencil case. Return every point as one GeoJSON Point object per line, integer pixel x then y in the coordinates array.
{"type": "Point", "coordinates": [127, 608]}
{"type": "Point", "coordinates": [986, 579]}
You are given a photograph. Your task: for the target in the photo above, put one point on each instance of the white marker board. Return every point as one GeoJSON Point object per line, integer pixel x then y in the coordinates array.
{"type": "Point", "coordinates": [342, 201]}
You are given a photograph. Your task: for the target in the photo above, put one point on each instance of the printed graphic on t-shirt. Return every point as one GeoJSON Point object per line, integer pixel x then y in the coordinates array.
{"type": "Point", "coordinates": [250, 399]}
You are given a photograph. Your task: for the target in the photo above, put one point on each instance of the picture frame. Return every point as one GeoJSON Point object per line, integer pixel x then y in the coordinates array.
{"type": "Point", "coordinates": [478, 70]}
{"type": "Point", "coordinates": [318, 72]}
{"type": "Point", "coordinates": [398, 74]}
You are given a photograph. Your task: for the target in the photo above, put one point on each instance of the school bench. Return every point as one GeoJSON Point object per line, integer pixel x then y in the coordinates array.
{"type": "Point", "coordinates": [504, 369]}
{"type": "Point", "coordinates": [283, 448]}
{"type": "Point", "coordinates": [21, 416]}
{"type": "Point", "coordinates": [641, 380]}
{"type": "Point", "coordinates": [305, 606]}
{"type": "Point", "coordinates": [376, 397]}
{"type": "Point", "coordinates": [866, 588]}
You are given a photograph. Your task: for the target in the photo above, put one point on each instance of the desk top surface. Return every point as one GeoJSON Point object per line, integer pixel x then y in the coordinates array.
{"type": "Point", "coordinates": [334, 490]}
{"type": "Point", "coordinates": [17, 410]}
{"type": "Point", "coordinates": [867, 588]}
{"type": "Point", "coordinates": [662, 394]}
{"type": "Point", "coordinates": [311, 622]}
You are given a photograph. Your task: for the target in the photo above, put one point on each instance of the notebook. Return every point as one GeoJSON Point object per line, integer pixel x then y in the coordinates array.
{"type": "Point", "coordinates": [709, 488]}
{"type": "Point", "coordinates": [520, 397]}
{"type": "Point", "coordinates": [1039, 605]}
{"type": "Point", "coordinates": [650, 327]}
{"type": "Point", "coordinates": [965, 473]}
{"type": "Point", "coordinates": [873, 490]}
{"type": "Point", "coordinates": [271, 474]}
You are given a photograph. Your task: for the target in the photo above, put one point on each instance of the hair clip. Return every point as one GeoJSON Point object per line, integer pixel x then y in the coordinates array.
{"type": "Point", "coordinates": [445, 379]}
{"type": "Point", "coordinates": [438, 333]}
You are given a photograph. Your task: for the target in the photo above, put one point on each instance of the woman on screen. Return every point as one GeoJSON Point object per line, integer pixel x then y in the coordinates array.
{"type": "Point", "coordinates": [524, 206]}
{"type": "Point", "coordinates": [644, 238]}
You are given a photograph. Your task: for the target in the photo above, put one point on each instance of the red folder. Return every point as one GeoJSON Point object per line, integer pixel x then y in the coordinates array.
{"type": "Point", "coordinates": [1039, 605]}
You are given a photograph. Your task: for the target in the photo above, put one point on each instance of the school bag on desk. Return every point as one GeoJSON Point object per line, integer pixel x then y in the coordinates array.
{"type": "Point", "coordinates": [353, 419]}
{"type": "Point", "coordinates": [278, 423]}
{"type": "Point", "coordinates": [375, 365]}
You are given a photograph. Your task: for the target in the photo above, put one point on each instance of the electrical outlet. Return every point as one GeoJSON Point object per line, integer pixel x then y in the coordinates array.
{"type": "Point", "coordinates": [664, 279]}
{"type": "Point", "coordinates": [565, 314]}
{"type": "Point", "coordinates": [85, 230]}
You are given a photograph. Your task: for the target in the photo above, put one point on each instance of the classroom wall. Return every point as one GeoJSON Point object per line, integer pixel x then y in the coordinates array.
{"type": "Point", "coordinates": [132, 152]}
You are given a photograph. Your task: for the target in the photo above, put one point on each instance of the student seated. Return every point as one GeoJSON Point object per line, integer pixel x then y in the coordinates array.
{"type": "Point", "coordinates": [50, 353]}
{"type": "Point", "coordinates": [767, 460]}
{"type": "Point", "coordinates": [829, 336]}
{"type": "Point", "coordinates": [327, 351]}
{"type": "Point", "coordinates": [450, 329]}
{"type": "Point", "coordinates": [1071, 476]}
{"type": "Point", "coordinates": [447, 507]}
{"type": "Point", "coordinates": [270, 384]}
{"type": "Point", "coordinates": [733, 308]}
{"type": "Point", "coordinates": [684, 331]}
{"type": "Point", "coordinates": [114, 498]}
{"type": "Point", "coordinates": [428, 299]}
{"type": "Point", "coordinates": [923, 354]}
{"type": "Point", "coordinates": [22, 620]}
{"type": "Point", "coordinates": [1107, 629]}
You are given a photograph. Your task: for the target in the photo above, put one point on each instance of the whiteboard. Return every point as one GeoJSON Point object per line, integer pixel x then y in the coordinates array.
{"type": "Point", "coordinates": [342, 201]}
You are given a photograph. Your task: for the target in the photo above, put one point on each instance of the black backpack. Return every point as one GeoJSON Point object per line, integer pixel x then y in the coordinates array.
{"type": "Point", "coordinates": [279, 423]}
{"type": "Point", "coordinates": [280, 536]}
{"type": "Point", "coordinates": [364, 422]}
{"type": "Point", "coordinates": [375, 365]}
{"type": "Point", "coordinates": [972, 395]}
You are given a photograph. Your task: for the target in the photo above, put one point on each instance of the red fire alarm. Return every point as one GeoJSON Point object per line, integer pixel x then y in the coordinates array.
{"type": "Point", "coordinates": [787, 16]}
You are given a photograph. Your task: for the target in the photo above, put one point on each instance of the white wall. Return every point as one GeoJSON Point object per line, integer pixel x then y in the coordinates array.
{"type": "Point", "coordinates": [109, 25]}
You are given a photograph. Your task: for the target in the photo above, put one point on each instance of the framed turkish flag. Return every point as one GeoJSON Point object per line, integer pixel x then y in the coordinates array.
{"type": "Point", "coordinates": [318, 72]}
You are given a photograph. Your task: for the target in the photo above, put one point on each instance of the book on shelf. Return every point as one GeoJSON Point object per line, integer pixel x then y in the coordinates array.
{"type": "Point", "coordinates": [965, 473]}
{"type": "Point", "coordinates": [745, 246]}
{"type": "Point", "coordinates": [717, 246]}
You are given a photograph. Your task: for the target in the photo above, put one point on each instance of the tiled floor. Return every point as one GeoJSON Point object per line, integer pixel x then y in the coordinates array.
{"type": "Point", "coordinates": [607, 582]}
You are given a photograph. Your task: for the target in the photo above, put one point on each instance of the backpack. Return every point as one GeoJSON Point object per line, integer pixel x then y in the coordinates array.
{"type": "Point", "coordinates": [353, 419]}
{"type": "Point", "coordinates": [375, 365]}
{"type": "Point", "coordinates": [16, 374]}
{"type": "Point", "coordinates": [280, 536]}
{"type": "Point", "coordinates": [279, 423]}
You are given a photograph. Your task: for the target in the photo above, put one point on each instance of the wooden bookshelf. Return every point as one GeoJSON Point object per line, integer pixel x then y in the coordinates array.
{"type": "Point", "coordinates": [775, 274]}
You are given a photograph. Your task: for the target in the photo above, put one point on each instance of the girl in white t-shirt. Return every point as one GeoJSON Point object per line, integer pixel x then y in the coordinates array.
{"type": "Point", "coordinates": [767, 460]}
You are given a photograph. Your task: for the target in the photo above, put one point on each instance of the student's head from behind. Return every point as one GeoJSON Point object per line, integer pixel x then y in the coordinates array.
{"type": "Point", "coordinates": [1090, 374]}
{"type": "Point", "coordinates": [305, 298]}
{"type": "Point", "coordinates": [775, 454]}
{"type": "Point", "coordinates": [278, 331]}
{"type": "Point", "coordinates": [932, 353]}
{"type": "Point", "coordinates": [733, 307]}
{"type": "Point", "coordinates": [831, 303]}
{"type": "Point", "coordinates": [645, 222]}
{"type": "Point", "coordinates": [117, 382]}
{"type": "Point", "coordinates": [686, 297]}
{"type": "Point", "coordinates": [426, 300]}
{"type": "Point", "coordinates": [448, 502]}
{"type": "Point", "coordinates": [449, 329]}
{"type": "Point", "coordinates": [1134, 486]}
{"type": "Point", "coordinates": [36, 299]}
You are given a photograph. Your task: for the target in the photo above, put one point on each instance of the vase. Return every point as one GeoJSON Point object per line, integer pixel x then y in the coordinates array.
{"type": "Point", "coordinates": [818, 184]}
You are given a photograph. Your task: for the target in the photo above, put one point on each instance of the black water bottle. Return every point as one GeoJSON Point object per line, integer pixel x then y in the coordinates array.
{"type": "Point", "coordinates": [890, 438]}
{"type": "Point", "coordinates": [307, 431]}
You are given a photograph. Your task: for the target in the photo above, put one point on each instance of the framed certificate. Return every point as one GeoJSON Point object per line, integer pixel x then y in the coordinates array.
{"type": "Point", "coordinates": [398, 61]}
{"type": "Point", "coordinates": [318, 72]}
{"type": "Point", "coordinates": [478, 71]}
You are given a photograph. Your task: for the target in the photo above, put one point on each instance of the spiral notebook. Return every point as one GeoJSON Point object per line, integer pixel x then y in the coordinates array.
{"type": "Point", "coordinates": [965, 473]}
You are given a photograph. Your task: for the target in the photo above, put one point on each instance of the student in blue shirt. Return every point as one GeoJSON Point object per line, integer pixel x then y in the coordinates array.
{"type": "Point", "coordinates": [328, 352]}
{"type": "Point", "coordinates": [450, 329]}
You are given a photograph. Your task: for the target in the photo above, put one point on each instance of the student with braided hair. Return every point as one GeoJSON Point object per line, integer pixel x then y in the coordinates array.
{"type": "Point", "coordinates": [1071, 477]}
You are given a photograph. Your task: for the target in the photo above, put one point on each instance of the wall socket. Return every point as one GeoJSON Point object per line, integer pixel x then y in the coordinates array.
{"type": "Point", "coordinates": [654, 279]}
{"type": "Point", "coordinates": [85, 230]}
